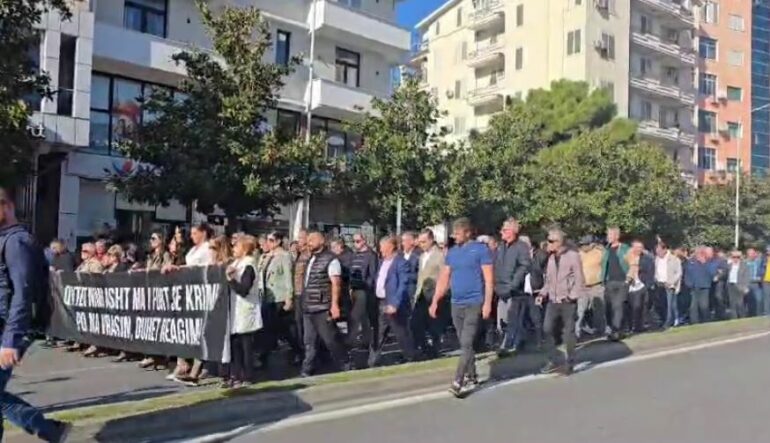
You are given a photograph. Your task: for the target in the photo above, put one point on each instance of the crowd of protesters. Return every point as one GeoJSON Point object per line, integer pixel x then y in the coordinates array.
{"type": "Point", "coordinates": [324, 300]}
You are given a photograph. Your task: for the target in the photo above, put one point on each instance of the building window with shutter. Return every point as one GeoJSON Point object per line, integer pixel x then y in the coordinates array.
{"type": "Point", "coordinates": [519, 59]}
{"type": "Point", "coordinates": [710, 12]}
{"type": "Point", "coordinates": [520, 15]}
{"type": "Point", "coordinates": [574, 42]}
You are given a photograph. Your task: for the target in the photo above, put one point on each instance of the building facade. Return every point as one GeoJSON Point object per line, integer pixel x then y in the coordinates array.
{"type": "Point", "coordinates": [642, 51]}
{"type": "Point", "coordinates": [115, 51]}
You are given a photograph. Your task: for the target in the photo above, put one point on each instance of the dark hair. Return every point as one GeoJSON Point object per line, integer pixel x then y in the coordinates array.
{"type": "Point", "coordinates": [338, 241]}
{"type": "Point", "coordinates": [205, 228]}
{"type": "Point", "coordinates": [663, 244]}
{"type": "Point", "coordinates": [278, 236]}
{"type": "Point", "coordinates": [408, 233]}
{"type": "Point", "coordinates": [6, 195]}
{"type": "Point", "coordinates": [429, 233]}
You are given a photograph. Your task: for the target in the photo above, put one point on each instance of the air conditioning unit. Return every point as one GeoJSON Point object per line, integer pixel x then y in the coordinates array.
{"type": "Point", "coordinates": [450, 93]}
{"type": "Point", "coordinates": [722, 96]}
{"type": "Point", "coordinates": [449, 129]}
{"type": "Point", "coordinates": [725, 132]}
{"type": "Point", "coordinates": [602, 5]}
{"type": "Point", "coordinates": [601, 45]}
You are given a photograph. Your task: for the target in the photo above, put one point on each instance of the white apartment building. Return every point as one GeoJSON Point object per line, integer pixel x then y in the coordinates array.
{"type": "Point", "coordinates": [114, 51]}
{"type": "Point", "coordinates": [475, 55]}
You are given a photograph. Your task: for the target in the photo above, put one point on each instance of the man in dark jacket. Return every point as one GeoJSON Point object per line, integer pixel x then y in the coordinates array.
{"type": "Point", "coordinates": [345, 256]}
{"type": "Point", "coordinates": [699, 277]}
{"type": "Point", "coordinates": [411, 253]}
{"type": "Point", "coordinates": [364, 315]}
{"type": "Point", "coordinates": [512, 263]}
{"type": "Point", "coordinates": [20, 260]}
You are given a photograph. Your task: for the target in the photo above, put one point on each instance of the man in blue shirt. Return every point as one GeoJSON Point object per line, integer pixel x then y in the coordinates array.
{"type": "Point", "coordinates": [468, 274]}
{"type": "Point", "coordinates": [19, 272]}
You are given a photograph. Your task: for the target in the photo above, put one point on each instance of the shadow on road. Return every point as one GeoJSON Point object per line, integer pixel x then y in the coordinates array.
{"type": "Point", "coordinates": [237, 409]}
{"type": "Point", "coordinates": [589, 354]}
{"type": "Point", "coordinates": [132, 395]}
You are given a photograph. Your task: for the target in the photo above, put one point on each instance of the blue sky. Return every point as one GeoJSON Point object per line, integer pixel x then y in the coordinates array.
{"type": "Point", "coordinates": [412, 11]}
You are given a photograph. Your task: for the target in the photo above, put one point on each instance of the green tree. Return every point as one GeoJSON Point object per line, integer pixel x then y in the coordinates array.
{"type": "Point", "coordinates": [711, 214]}
{"type": "Point", "coordinates": [20, 79]}
{"type": "Point", "coordinates": [603, 177]}
{"type": "Point", "coordinates": [206, 142]}
{"type": "Point", "coordinates": [402, 157]}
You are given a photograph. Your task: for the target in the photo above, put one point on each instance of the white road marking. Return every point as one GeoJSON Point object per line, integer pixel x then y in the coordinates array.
{"type": "Point", "coordinates": [317, 417]}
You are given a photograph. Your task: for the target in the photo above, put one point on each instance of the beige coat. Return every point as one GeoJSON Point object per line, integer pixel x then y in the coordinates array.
{"type": "Point", "coordinates": [565, 281]}
{"type": "Point", "coordinates": [591, 257]}
{"type": "Point", "coordinates": [430, 265]}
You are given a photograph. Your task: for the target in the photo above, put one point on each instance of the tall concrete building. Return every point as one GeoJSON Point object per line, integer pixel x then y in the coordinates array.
{"type": "Point", "coordinates": [113, 52]}
{"type": "Point", "coordinates": [475, 54]}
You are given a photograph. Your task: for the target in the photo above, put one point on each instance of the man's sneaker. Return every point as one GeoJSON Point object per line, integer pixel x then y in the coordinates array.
{"type": "Point", "coordinates": [568, 370]}
{"type": "Point", "coordinates": [456, 389]}
{"type": "Point", "coordinates": [550, 368]}
{"type": "Point", "coordinates": [63, 430]}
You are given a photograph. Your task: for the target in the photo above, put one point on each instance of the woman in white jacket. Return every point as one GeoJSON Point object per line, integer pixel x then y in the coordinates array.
{"type": "Point", "coordinates": [245, 317]}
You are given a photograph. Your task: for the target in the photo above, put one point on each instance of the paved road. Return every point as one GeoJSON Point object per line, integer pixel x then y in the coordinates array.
{"type": "Point", "coordinates": [718, 395]}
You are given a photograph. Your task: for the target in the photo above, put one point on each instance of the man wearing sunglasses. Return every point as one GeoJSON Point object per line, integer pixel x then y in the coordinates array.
{"type": "Point", "coordinates": [564, 285]}
{"type": "Point", "coordinates": [364, 311]}
{"type": "Point", "coordinates": [20, 275]}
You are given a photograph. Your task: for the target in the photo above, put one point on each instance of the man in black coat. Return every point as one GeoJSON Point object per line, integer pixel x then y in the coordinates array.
{"type": "Point", "coordinates": [512, 264]}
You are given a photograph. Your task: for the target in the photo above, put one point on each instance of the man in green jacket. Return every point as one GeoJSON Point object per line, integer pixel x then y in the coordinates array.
{"type": "Point", "coordinates": [615, 278]}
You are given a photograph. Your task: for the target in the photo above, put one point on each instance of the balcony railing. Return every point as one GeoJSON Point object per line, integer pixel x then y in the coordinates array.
{"type": "Point", "coordinates": [653, 128]}
{"type": "Point", "coordinates": [678, 9]}
{"type": "Point", "coordinates": [486, 14]}
{"type": "Point", "coordinates": [655, 86]}
{"type": "Point", "coordinates": [653, 42]}
{"type": "Point", "coordinates": [486, 52]}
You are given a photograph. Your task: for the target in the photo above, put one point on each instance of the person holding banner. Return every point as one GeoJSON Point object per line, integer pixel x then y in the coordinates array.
{"type": "Point", "coordinates": [156, 260]}
{"type": "Point", "coordinates": [245, 315]}
{"type": "Point", "coordinates": [201, 254]}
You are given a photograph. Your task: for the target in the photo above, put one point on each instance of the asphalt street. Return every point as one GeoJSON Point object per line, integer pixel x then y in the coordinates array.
{"type": "Point", "coordinates": [719, 394]}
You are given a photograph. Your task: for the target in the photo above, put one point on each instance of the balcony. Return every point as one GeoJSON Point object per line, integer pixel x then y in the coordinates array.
{"type": "Point", "coordinates": [489, 14]}
{"type": "Point", "coordinates": [419, 52]}
{"type": "Point", "coordinates": [337, 100]}
{"type": "Point", "coordinates": [678, 10]}
{"type": "Point", "coordinates": [490, 94]}
{"type": "Point", "coordinates": [667, 135]}
{"type": "Point", "coordinates": [340, 23]}
{"type": "Point", "coordinates": [135, 54]}
{"type": "Point", "coordinates": [653, 86]}
{"type": "Point", "coordinates": [655, 45]}
{"type": "Point", "coordinates": [487, 54]}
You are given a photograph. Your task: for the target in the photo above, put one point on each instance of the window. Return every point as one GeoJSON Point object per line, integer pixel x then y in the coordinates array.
{"type": "Point", "coordinates": [34, 98]}
{"type": "Point", "coordinates": [736, 22]}
{"type": "Point", "coordinates": [283, 48]}
{"type": "Point", "coordinates": [148, 16]}
{"type": "Point", "coordinates": [339, 143]}
{"type": "Point", "coordinates": [645, 24]}
{"type": "Point", "coordinates": [710, 12]}
{"type": "Point", "coordinates": [462, 51]}
{"type": "Point", "coordinates": [115, 110]}
{"type": "Point", "coordinates": [671, 35]}
{"type": "Point", "coordinates": [646, 110]}
{"type": "Point", "coordinates": [707, 121]}
{"type": "Point", "coordinates": [520, 15]}
{"type": "Point", "coordinates": [734, 94]}
{"type": "Point", "coordinates": [578, 2]}
{"type": "Point", "coordinates": [459, 17]}
{"type": "Point", "coordinates": [708, 48]}
{"type": "Point", "coordinates": [438, 27]}
{"type": "Point", "coordinates": [735, 130]}
{"type": "Point", "coordinates": [348, 65]}
{"type": "Point", "coordinates": [707, 159]}
{"type": "Point", "coordinates": [519, 58]}
{"type": "Point", "coordinates": [458, 89]}
{"type": "Point", "coordinates": [287, 124]}
{"type": "Point", "coordinates": [708, 84]}
{"type": "Point", "coordinates": [356, 4]}
{"type": "Point", "coordinates": [732, 164]}
{"type": "Point", "coordinates": [573, 42]}
{"type": "Point", "coordinates": [645, 65]}
{"type": "Point", "coordinates": [735, 58]}
{"type": "Point", "coordinates": [66, 74]}
{"type": "Point", "coordinates": [607, 46]}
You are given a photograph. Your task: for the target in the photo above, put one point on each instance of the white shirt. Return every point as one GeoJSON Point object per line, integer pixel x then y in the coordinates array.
{"type": "Point", "coordinates": [661, 268]}
{"type": "Point", "coordinates": [424, 258]}
{"type": "Point", "coordinates": [200, 255]}
{"type": "Point", "coordinates": [335, 269]}
{"type": "Point", "coordinates": [733, 277]}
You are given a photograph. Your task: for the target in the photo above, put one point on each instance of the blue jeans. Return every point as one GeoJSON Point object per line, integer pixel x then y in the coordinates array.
{"type": "Point", "coordinates": [22, 414]}
{"type": "Point", "coordinates": [672, 308]}
{"type": "Point", "coordinates": [759, 297]}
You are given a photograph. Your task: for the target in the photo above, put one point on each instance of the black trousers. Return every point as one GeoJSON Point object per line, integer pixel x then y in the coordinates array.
{"type": "Point", "coordinates": [519, 308]}
{"type": "Point", "coordinates": [241, 365]}
{"type": "Point", "coordinates": [398, 324]}
{"type": "Point", "coordinates": [359, 320]}
{"type": "Point", "coordinates": [319, 325]}
{"type": "Point", "coordinates": [615, 296]}
{"type": "Point", "coordinates": [424, 326]}
{"type": "Point", "coordinates": [565, 313]}
{"type": "Point", "coordinates": [719, 294]}
{"type": "Point", "coordinates": [637, 299]}
{"type": "Point", "coordinates": [279, 324]}
{"type": "Point", "coordinates": [737, 298]}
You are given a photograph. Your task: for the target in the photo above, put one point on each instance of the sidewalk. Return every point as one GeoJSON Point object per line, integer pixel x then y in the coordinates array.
{"type": "Point", "coordinates": [187, 415]}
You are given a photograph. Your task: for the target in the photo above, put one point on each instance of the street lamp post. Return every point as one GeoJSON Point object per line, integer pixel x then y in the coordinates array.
{"type": "Point", "coordinates": [738, 172]}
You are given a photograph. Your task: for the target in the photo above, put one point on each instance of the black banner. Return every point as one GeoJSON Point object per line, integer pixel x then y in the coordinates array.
{"type": "Point", "coordinates": [183, 313]}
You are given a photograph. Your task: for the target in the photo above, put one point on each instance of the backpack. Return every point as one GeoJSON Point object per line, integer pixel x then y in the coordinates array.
{"type": "Point", "coordinates": [40, 315]}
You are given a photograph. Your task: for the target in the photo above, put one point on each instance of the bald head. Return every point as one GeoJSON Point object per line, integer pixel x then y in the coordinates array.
{"type": "Point", "coordinates": [315, 241]}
